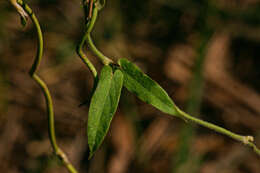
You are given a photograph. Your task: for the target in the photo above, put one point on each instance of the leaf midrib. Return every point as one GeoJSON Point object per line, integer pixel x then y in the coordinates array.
{"type": "Point", "coordinates": [170, 106]}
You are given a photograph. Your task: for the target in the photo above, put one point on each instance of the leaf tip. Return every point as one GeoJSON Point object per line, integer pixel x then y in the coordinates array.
{"type": "Point", "coordinates": [90, 155]}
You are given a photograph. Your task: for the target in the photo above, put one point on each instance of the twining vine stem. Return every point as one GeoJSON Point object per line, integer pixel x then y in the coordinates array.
{"type": "Point", "coordinates": [105, 60]}
{"type": "Point", "coordinates": [51, 127]}
{"type": "Point", "coordinates": [93, 7]}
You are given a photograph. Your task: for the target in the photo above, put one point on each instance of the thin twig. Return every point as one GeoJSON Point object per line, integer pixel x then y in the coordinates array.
{"type": "Point", "coordinates": [44, 88]}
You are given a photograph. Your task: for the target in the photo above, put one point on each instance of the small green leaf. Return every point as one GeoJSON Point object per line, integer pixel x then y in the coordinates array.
{"type": "Point", "coordinates": [145, 88]}
{"type": "Point", "coordinates": [103, 106]}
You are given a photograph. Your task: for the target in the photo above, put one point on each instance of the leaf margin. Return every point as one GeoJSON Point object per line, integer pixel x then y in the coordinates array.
{"type": "Point", "coordinates": [134, 78]}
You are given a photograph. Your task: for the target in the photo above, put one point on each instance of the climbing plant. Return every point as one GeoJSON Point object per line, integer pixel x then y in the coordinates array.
{"type": "Point", "coordinates": [107, 87]}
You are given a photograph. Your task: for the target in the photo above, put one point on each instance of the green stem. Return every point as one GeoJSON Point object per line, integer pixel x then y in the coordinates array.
{"type": "Point", "coordinates": [84, 58]}
{"type": "Point", "coordinates": [40, 43]}
{"type": "Point", "coordinates": [51, 127]}
{"type": "Point", "coordinates": [87, 36]}
{"type": "Point", "coordinates": [38, 58]}
{"type": "Point", "coordinates": [105, 60]}
{"type": "Point", "coordinates": [82, 55]}
{"type": "Point", "coordinates": [247, 140]}
{"type": "Point", "coordinates": [45, 90]}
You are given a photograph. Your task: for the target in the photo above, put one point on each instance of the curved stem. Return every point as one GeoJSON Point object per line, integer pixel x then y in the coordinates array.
{"type": "Point", "coordinates": [45, 90]}
{"type": "Point", "coordinates": [38, 57]}
{"type": "Point", "coordinates": [105, 60]}
{"type": "Point", "coordinates": [247, 140]}
{"type": "Point", "coordinates": [84, 58]}
{"type": "Point", "coordinates": [51, 127]}
{"type": "Point", "coordinates": [87, 36]}
{"type": "Point", "coordinates": [80, 52]}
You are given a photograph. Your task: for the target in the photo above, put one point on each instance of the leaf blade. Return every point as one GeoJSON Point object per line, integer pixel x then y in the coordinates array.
{"type": "Point", "coordinates": [110, 103]}
{"type": "Point", "coordinates": [145, 88]}
{"type": "Point", "coordinates": [97, 104]}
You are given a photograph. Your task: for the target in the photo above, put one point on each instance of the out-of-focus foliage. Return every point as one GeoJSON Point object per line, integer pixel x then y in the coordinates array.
{"type": "Point", "coordinates": [205, 53]}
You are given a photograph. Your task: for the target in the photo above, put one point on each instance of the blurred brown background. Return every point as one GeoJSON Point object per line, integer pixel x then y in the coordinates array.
{"type": "Point", "coordinates": [205, 53]}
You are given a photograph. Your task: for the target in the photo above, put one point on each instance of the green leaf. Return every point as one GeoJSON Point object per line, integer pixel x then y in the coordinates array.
{"type": "Point", "coordinates": [103, 106]}
{"type": "Point", "coordinates": [145, 88]}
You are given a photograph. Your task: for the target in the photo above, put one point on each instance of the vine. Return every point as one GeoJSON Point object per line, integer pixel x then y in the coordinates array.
{"type": "Point", "coordinates": [107, 87]}
{"type": "Point", "coordinates": [131, 82]}
{"type": "Point", "coordinates": [24, 10]}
